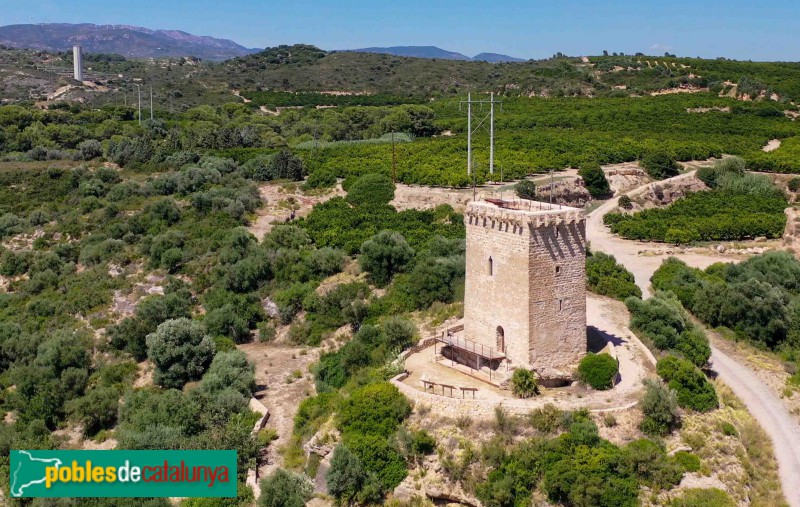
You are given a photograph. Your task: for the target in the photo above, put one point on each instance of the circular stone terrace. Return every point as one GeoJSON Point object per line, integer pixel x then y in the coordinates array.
{"type": "Point", "coordinates": [453, 389]}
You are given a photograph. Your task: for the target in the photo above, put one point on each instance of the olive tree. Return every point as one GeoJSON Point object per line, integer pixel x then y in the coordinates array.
{"type": "Point", "coordinates": [181, 351]}
{"type": "Point", "coordinates": [385, 254]}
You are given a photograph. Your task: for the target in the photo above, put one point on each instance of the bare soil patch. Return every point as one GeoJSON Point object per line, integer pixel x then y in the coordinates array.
{"type": "Point", "coordinates": [283, 380]}
{"type": "Point", "coordinates": [772, 145]}
{"type": "Point", "coordinates": [280, 199]}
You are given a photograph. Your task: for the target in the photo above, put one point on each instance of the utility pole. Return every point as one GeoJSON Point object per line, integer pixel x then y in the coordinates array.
{"type": "Point", "coordinates": [151, 102]}
{"type": "Point", "coordinates": [469, 138]}
{"type": "Point", "coordinates": [139, 88]}
{"type": "Point", "coordinates": [491, 134]}
{"type": "Point", "coordinates": [471, 130]}
{"type": "Point", "coordinates": [394, 160]}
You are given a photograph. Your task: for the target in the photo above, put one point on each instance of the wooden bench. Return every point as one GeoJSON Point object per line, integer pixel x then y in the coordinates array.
{"type": "Point", "coordinates": [465, 389]}
{"type": "Point", "coordinates": [427, 384]}
{"type": "Point", "coordinates": [445, 386]}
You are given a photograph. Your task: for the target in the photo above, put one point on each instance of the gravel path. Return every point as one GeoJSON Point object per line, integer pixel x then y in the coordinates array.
{"type": "Point", "coordinates": [765, 406]}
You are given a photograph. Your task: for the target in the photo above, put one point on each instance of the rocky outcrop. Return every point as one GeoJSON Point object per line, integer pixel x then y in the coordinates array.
{"type": "Point", "coordinates": [791, 233]}
{"type": "Point", "coordinates": [660, 194]}
{"type": "Point", "coordinates": [567, 192]}
{"type": "Point", "coordinates": [434, 485]}
{"type": "Point", "coordinates": [624, 177]}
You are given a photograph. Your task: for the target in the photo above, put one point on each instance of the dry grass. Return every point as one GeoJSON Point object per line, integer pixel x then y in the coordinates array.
{"type": "Point", "coordinates": [743, 460]}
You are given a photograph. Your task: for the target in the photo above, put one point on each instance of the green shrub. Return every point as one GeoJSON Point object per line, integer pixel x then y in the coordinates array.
{"type": "Point", "coordinates": [659, 405]}
{"type": "Point", "coordinates": [284, 489]}
{"type": "Point", "coordinates": [687, 461]}
{"type": "Point", "coordinates": [694, 391]}
{"type": "Point", "coordinates": [523, 383]}
{"type": "Point", "coordinates": [625, 202]}
{"type": "Point", "coordinates": [595, 179]}
{"type": "Point", "coordinates": [598, 371]}
{"type": "Point", "coordinates": [380, 457]}
{"type": "Point", "coordinates": [794, 184]}
{"type": "Point", "coordinates": [371, 189]}
{"type": "Point", "coordinates": [728, 166]}
{"type": "Point", "coordinates": [181, 351]}
{"type": "Point", "coordinates": [420, 443]}
{"type": "Point", "coordinates": [384, 255]}
{"type": "Point", "coordinates": [546, 419]}
{"type": "Point", "coordinates": [525, 189]}
{"type": "Point", "coordinates": [652, 466]}
{"type": "Point", "coordinates": [663, 321]}
{"type": "Point", "coordinates": [373, 409]}
{"type": "Point", "coordinates": [349, 481]}
{"type": "Point", "coordinates": [606, 277]}
{"type": "Point", "coordinates": [696, 497]}
{"type": "Point", "coordinates": [725, 214]}
{"type": "Point", "coordinates": [660, 164]}
{"type": "Point", "coordinates": [321, 178]}
{"type": "Point", "coordinates": [728, 429]}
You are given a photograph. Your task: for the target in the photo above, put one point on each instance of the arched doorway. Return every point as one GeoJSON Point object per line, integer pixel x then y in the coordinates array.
{"type": "Point", "coordinates": [501, 340]}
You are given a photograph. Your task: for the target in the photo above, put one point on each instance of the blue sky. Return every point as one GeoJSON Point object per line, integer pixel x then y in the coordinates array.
{"type": "Point", "coordinates": [758, 30]}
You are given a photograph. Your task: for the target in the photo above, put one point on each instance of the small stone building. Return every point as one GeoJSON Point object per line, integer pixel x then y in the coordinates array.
{"type": "Point", "coordinates": [525, 301]}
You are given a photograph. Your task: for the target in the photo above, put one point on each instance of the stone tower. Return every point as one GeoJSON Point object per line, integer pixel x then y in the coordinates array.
{"type": "Point", "coordinates": [526, 284]}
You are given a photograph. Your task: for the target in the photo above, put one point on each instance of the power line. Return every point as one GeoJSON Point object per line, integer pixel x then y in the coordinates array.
{"type": "Point", "coordinates": [490, 116]}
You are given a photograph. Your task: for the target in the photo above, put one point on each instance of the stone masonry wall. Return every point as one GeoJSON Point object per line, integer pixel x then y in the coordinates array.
{"type": "Point", "coordinates": [557, 274]}
{"type": "Point", "coordinates": [526, 275]}
{"type": "Point", "coordinates": [484, 409]}
{"type": "Point", "coordinates": [499, 298]}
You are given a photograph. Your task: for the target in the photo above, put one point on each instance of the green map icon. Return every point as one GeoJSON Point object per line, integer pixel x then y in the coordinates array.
{"type": "Point", "coordinates": [27, 471]}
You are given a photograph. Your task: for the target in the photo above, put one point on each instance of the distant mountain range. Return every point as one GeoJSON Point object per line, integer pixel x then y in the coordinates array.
{"type": "Point", "coordinates": [129, 41]}
{"type": "Point", "coordinates": [139, 42]}
{"type": "Point", "coordinates": [435, 52]}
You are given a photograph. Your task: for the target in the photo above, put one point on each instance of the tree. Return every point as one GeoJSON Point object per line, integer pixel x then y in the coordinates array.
{"type": "Point", "coordinates": [659, 405]}
{"type": "Point", "coordinates": [181, 351]}
{"type": "Point", "coordinates": [525, 189]}
{"type": "Point", "coordinates": [384, 255]}
{"type": "Point", "coordinates": [606, 277]}
{"type": "Point", "coordinates": [230, 370]}
{"type": "Point", "coordinates": [660, 164]}
{"type": "Point", "coordinates": [399, 332]}
{"type": "Point", "coordinates": [523, 383]}
{"type": "Point", "coordinates": [322, 178]}
{"type": "Point", "coordinates": [598, 371]}
{"type": "Point", "coordinates": [225, 321]}
{"type": "Point", "coordinates": [284, 489]}
{"type": "Point", "coordinates": [286, 165]}
{"type": "Point", "coordinates": [595, 179]}
{"type": "Point", "coordinates": [90, 149]}
{"type": "Point", "coordinates": [96, 410]}
{"type": "Point", "coordinates": [381, 458]}
{"type": "Point", "coordinates": [693, 390]}
{"type": "Point", "coordinates": [373, 409]}
{"type": "Point", "coordinates": [371, 189]}
{"type": "Point", "coordinates": [346, 476]}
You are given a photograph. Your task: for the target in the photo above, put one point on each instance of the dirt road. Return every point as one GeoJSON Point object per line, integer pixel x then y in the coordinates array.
{"type": "Point", "coordinates": [765, 406]}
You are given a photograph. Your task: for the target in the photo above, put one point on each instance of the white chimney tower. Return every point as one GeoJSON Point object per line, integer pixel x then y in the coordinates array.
{"type": "Point", "coordinates": [77, 60]}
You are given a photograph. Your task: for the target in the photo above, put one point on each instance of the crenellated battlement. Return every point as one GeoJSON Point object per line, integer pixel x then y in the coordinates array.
{"type": "Point", "coordinates": [521, 214]}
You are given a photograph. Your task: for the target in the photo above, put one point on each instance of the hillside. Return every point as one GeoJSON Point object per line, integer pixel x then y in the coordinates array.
{"type": "Point", "coordinates": [496, 58]}
{"type": "Point", "coordinates": [436, 52]}
{"type": "Point", "coordinates": [130, 41]}
{"type": "Point", "coordinates": [273, 78]}
{"type": "Point", "coordinates": [416, 52]}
